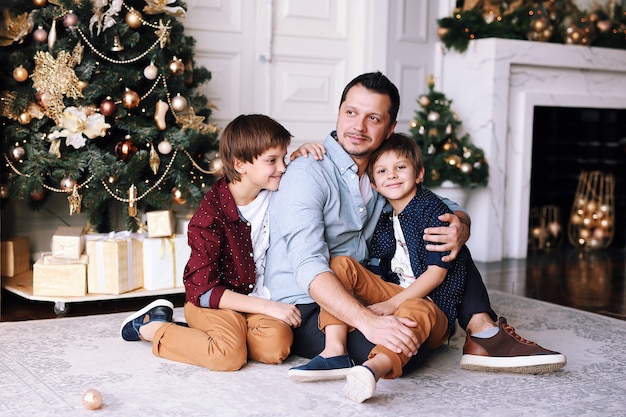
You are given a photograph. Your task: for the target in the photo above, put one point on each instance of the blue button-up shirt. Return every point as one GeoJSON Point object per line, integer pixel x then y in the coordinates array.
{"type": "Point", "coordinates": [317, 211]}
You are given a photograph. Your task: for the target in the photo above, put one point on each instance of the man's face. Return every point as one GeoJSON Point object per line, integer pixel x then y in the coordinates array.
{"type": "Point", "coordinates": [363, 122]}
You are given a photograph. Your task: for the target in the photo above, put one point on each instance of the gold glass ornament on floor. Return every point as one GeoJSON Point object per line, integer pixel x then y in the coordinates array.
{"type": "Point", "coordinates": [592, 219]}
{"type": "Point", "coordinates": [545, 231]}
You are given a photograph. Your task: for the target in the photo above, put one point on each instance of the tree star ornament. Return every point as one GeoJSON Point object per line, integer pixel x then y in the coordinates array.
{"type": "Point", "coordinates": [163, 33]}
{"type": "Point", "coordinates": [75, 200]}
{"type": "Point", "coordinates": [56, 78]}
{"type": "Point", "coordinates": [190, 121]}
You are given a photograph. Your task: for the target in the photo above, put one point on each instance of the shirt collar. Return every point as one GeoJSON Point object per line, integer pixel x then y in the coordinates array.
{"type": "Point", "coordinates": [338, 155]}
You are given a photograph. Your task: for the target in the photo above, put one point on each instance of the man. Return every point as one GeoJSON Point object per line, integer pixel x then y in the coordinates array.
{"type": "Point", "coordinates": [327, 208]}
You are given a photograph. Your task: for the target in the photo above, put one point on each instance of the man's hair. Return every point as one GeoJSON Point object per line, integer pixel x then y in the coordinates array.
{"type": "Point", "coordinates": [379, 83]}
{"type": "Point", "coordinates": [246, 138]}
{"type": "Point", "coordinates": [402, 145]}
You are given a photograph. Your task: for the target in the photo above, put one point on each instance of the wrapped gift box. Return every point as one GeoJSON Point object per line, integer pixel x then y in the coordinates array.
{"type": "Point", "coordinates": [60, 277]}
{"type": "Point", "coordinates": [164, 261]}
{"type": "Point", "coordinates": [115, 263]}
{"type": "Point", "coordinates": [160, 223]}
{"type": "Point", "coordinates": [68, 242]}
{"type": "Point", "coordinates": [15, 256]}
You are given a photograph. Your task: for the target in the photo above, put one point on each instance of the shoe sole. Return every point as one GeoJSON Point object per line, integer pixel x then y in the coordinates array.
{"type": "Point", "coordinates": [157, 303]}
{"type": "Point", "coordinates": [360, 384]}
{"type": "Point", "coordinates": [538, 364]}
{"type": "Point", "coordinates": [299, 375]}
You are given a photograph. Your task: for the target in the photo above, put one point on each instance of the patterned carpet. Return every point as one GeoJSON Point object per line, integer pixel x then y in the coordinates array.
{"type": "Point", "coordinates": [46, 365]}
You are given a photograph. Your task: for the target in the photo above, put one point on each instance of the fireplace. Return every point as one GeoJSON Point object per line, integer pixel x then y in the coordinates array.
{"type": "Point", "coordinates": [567, 140]}
{"type": "Point", "coordinates": [495, 86]}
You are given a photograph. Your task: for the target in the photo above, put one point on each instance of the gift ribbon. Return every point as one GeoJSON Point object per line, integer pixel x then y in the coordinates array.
{"type": "Point", "coordinates": [172, 241]}
{"type": "Point", "coordinates": [116, 237]}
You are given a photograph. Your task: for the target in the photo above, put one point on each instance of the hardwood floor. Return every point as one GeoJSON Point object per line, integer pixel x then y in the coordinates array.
{"type": "Point", "coordinates": [591, 281]}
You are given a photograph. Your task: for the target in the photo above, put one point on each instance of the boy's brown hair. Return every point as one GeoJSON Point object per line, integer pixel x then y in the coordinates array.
{"type": "Point", "coordinates": [246, 138]}
{"type": "Point", "coordinates": [401, 145]}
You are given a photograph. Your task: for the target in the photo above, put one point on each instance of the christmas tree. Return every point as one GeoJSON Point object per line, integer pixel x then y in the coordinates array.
{"type": "Point", "coordinates": [447, 157]}
{"type": "Point", "coordinates": [100, 101]}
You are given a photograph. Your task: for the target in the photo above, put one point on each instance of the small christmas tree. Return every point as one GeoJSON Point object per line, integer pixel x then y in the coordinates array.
{"type": "Point", "coordinates": [100, 103]}
{"type": "Point", "coordinates": [446, 156]}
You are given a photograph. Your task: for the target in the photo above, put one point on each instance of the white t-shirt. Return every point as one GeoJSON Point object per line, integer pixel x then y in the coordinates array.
{"type": "Point", "coordinates": [257, 214]}
{"type": "Point", "coordinates": [401, 263]}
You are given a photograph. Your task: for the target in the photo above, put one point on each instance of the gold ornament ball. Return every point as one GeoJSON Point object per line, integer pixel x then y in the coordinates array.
{"type": "Point", "coordinates": [4, 190]}
{"type": "Point", "coordinates": [177, 196]}
{"type": "Point", "coordinates": [130, 99]}
{"type": "Point", "coordinates": [554, 228]}
{"type": "Point", "coordinates": [539, 24]}
{"type": "Point", "coordinates": [133, 19]}
{"type": "Point", "coordinates": [176, 66]}
{"type": "Point", "coordinates": [39, 3]}
{"type": "Point", "coordinates": [604, 25]}
{"type": "Point", "coordinates": [82, 84]}
{"type": "Point", "coordinates": [20, 74]}
{"type": "Point", "coordinates": [67, 184]}
{"type": "Point", "coordinates": [92, 399]}
{"type": "Point", "coordinates": [576, 219]}
{"type": "Point", "coordinates": [24, 118]}
{"type": "Point", "coordinates": [216, 165]}
{"type": "Point", "coordinates": [441, 32]}
{"type": "Point", "coordinates": [598, 233]}
{"type": "Point", "coordinates": [179, 103]}
{"type": "Point", "coordinates": [454, 160]}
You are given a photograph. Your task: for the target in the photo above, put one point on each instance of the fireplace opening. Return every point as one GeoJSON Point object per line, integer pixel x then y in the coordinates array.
{"type": "Point", "coordinates": [568, 140]}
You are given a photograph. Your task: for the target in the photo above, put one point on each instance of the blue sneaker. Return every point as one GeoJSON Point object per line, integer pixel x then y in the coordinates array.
{"type": "Point", "coordinates": [159, 310]}
{"type": "Point", "coordinates": [322, 369]}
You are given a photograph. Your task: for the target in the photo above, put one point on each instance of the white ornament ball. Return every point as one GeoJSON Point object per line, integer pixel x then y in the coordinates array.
{"type": "Point", "coordinates": [165, 147]}
{"type": "Point", "coordinates": [433, 116]}
{"type": "Point", "coordinates": [151, 72]}
{"type": "Point", "coordinates": [179, 103]}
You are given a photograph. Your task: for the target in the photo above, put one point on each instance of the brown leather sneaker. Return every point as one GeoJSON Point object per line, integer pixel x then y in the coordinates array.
{"type": "Point", "coordinates": [509, 352]}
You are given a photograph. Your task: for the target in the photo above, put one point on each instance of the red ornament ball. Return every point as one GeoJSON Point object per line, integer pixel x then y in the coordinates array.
{"type": "Point", "coordinates": [108, 107]}
{"type": "Point", "coordinates": [125, 149]}
{"type": "Point", "coordinates": [38, 195]}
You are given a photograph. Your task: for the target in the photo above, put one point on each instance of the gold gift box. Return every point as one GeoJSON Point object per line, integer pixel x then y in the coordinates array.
{"type": "Point", "coordinates": [53, 277]}
{"type": "Point", "coordinates": [15, 256]}
{"type": "Point", "coordinates": [160, 223]}
{"type": "Point", "coordinates": [115, 265]}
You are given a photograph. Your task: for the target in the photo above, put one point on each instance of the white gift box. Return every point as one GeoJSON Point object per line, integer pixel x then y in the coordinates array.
{"type": "Point", "coordinates": [164, 261]}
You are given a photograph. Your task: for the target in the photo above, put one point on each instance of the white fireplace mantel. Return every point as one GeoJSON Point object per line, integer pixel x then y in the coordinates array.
{"type": "Point", "coordinates": [494, 87]}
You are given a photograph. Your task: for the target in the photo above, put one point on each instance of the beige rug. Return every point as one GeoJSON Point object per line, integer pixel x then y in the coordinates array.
{"type": "Point", "coordinates": [46, 365]}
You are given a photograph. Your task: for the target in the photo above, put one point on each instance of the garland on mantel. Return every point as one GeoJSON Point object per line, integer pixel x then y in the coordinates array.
{"type": "Point", "coordinates": [555, 21]}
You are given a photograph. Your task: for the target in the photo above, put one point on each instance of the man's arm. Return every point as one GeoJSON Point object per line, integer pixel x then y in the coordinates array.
{"type": "Point", "coordinates": [452, 237]}
{"type": "Point", "coordinates": [390, 331]}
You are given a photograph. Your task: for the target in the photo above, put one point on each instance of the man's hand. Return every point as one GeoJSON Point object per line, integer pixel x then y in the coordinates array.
{"type": "Point", "coordinates": [452, 237]}
{"type": "Point", "coordinates": [392, 332]}
{"type": "Point", "coordinates": [288, 313]}
{"type": "Point", "coordinates": [317, 150]}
